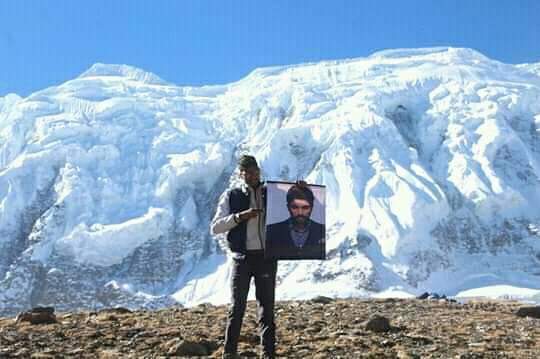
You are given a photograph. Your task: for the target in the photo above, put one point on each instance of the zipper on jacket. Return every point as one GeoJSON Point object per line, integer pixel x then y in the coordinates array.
{"type": "Point", "coordinates": [258, 201]}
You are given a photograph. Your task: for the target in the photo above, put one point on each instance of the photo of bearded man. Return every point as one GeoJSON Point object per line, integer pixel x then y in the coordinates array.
{"type": "Point", "coordinates": [299, 236]}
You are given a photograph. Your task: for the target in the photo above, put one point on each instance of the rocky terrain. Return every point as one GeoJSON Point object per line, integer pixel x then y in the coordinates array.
{"type": "Point", "coordinates": [318, 328]}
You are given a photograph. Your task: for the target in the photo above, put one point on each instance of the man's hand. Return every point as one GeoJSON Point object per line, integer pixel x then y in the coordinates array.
{"type": "Point", "coordinates": [249, 213]}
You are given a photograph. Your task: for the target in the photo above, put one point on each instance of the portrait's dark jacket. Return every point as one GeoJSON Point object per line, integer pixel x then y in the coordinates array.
{"type": "Point", "coordinates": [238, 202]}
{"type": "Point", "coordinates": [280, 245]}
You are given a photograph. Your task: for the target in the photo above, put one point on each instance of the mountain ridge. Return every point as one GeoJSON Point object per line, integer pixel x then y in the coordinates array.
{"type": "Point", "coordinates": [430, 158]}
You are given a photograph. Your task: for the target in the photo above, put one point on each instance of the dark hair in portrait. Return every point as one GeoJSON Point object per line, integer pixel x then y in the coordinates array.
{"type": "Point", "coordinates": [298, 236]}
{"type": "Point", "coordinates": [298, 192]}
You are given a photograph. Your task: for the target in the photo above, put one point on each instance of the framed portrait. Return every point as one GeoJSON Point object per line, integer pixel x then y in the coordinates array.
{"type": "Point", "coordinates": [295, 221]}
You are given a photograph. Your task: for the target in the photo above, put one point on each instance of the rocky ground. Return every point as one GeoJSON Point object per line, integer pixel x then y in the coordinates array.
{"type": "Point", "coordinates": [320, 328]}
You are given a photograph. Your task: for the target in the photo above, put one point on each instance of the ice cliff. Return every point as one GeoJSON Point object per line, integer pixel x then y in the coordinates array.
{"type": "Point", "coordinates": [430, 157]}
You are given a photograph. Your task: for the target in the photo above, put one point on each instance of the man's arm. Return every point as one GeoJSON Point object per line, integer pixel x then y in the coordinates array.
{"type": "Point", "coordinates": [223, 220]}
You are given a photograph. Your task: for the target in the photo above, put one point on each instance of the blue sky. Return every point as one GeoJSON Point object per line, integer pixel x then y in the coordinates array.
{"type": "Point", "coordinates": [198, 42]}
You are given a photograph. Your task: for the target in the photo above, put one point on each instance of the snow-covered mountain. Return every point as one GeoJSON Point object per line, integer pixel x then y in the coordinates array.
{"type": "Point", "coordinates": [431, 158]}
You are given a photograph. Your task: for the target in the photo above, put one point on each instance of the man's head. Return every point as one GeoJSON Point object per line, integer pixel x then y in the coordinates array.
{"type": "Point", "coordinates": [249, 170]}
{"type": "Point", "coordinates": [300, 204]}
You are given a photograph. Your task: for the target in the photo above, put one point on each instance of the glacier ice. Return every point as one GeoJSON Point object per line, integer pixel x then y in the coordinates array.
{"type": "Point", "coordinates": [430, 158]}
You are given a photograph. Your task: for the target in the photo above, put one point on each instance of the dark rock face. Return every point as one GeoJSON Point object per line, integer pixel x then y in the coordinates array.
{"type": "Point", "coordinates": [186, 348]}
{"type": "Point", "coordinates": [322, 300]}
{"type": "Point", "coordinates": [38, 315]}
{"type": "Point", "coordinates": [532, 312]}
{"type": "Point", "coordinates": [434, 296]}
{"type": "Point", "coordinates": [378, 324]}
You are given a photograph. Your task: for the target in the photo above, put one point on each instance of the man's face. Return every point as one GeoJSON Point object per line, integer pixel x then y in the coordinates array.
{"type": "Point", "coordinates": [300, 211]}
{"type": "Point", "coordinates": [251, 176]}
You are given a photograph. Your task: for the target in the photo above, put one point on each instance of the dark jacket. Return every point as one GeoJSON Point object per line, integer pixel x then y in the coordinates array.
{"type": "Point", "coordinates": [280, 245]}
{"type": "Point", "coordinates": [239, 201]}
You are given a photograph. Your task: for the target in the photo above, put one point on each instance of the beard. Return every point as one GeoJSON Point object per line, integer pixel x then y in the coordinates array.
{"type": "Point", "coordinates": [300, 220]}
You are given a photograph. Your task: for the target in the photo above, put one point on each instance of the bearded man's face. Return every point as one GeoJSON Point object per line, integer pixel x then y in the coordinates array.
{"type": "Point", "coordinates": [300, 211]}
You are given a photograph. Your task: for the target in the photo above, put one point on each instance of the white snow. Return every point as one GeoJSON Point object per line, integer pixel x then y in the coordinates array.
{"type": "Point", "coordinates": [506, 292]}
{"type": "Point", "coordinates": [430, 158]}
{"type": "Point", "coordinates": [105, 245]}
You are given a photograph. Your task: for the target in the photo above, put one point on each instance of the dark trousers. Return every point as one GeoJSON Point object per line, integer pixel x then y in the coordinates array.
{"type": "Point", "coordinates": [264, 271]}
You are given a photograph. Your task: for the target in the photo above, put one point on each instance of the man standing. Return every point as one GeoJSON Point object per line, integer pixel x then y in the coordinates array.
{"type": "Point", "coordinates": [298, 237]}
{"type": "Point", "coordinates": [240, 214]}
